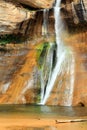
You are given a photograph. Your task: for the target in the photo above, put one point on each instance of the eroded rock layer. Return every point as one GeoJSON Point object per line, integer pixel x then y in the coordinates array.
{"type": "Point", "coordinates": [37, 3]}
{"type": "Point", "coordinates": [11, 16]}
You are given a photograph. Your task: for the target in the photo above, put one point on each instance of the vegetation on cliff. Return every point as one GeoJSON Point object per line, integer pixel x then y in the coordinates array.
{"type": "Point", "coordinates": [41, 53]}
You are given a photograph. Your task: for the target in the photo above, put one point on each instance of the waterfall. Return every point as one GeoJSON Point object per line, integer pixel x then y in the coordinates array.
{"type": "Point", "coordinates": [45, 22]}
{"type": "Point", "coordinates": [63, 63]}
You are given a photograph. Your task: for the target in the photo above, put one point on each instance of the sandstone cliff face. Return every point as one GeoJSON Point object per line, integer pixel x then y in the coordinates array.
{"type": "Point", "coordinates": [14, 18]}
{"type": "Point", "coordinates": [17, 70]}
{"type": "Point", "coordinates": [37, 3]}
{"type": "Point", "coordinates": [11, 16]}
{"type": "Point", "coordinates": [74, 11]}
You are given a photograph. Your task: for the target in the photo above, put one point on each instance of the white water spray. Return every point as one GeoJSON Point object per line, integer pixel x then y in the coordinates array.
{"type": "Point", "coordinates": [62, 58]}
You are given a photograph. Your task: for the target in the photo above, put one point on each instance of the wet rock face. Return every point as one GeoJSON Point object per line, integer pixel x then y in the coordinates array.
{"type": "Point", "coordinates": [74, 11]}
{"type": "Point", "coordinates": [37, 3]}
{"type": "Point", "coordinates": [80, 85]}
{"type": "Point", "coordinates": [41, 24]}
{"type": "Point", "coordinates": [74, 14]}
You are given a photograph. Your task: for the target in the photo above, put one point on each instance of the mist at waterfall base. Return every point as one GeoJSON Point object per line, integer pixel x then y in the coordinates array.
{"type": "Point", "coordinates": [64, 62]}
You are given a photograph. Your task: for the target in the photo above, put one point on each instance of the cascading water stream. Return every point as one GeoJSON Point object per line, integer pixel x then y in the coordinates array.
{"type": "Point", "coordinates": [45, 22]}
{"type": "Point", "coordinates": [61, 59]}
{"type": "Point", "coordinates": [54, 75]}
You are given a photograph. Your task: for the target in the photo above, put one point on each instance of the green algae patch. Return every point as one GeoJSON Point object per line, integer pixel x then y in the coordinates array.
{"type": "Point", "coordinates": [41, 53]}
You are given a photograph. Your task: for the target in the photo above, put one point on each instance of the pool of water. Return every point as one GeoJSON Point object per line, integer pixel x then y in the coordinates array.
{"type": "Point", "coordinates": [36, 117]}
{"type": "Point", "coordinates": [44, 111]}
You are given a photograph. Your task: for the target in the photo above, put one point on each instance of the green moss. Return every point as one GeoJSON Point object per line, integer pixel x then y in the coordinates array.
{"type": "Point", "coordinates": [38, 98]}
{"type": "Point", "coordinates": [41, 53]}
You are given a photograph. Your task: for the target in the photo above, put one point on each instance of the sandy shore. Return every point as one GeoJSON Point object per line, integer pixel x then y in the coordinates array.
{"type": "Point", "coordinates": [28, 117]}
{"type": "Point", "coordinates": [31, 123]}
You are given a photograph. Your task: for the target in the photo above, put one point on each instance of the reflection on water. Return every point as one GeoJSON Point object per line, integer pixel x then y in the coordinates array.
{"type": "Point", "coordinates": [43, 111]}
